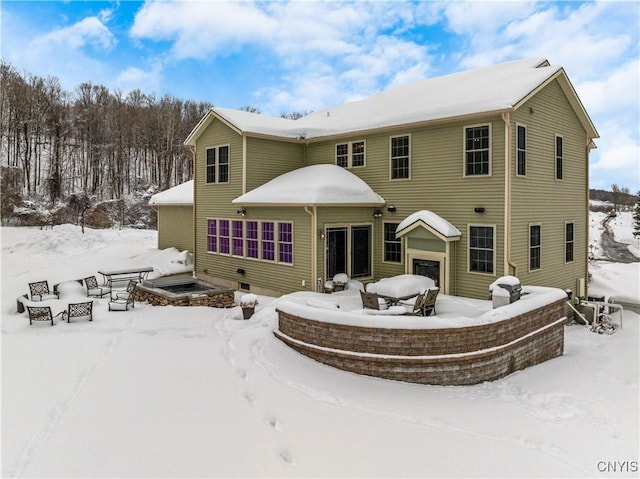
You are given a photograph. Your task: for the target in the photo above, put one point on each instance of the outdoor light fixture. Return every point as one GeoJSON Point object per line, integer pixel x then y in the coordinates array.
{"type": "Point", "coordinates": [479, 209]}
{"type": "Point", "coordinates": [241, 212]}
{"type": "Point", "coordinates": [321, 234]}
{"type": "Point", "coordinates": [391, 209]}
{"type": "Point", "coordinates": [240, 271]}
{"type": "Point", "coordinates": [377, 213]}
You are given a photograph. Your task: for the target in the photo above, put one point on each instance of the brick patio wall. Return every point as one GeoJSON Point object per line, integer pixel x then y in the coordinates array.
{"type": "Point", "coordinates": [445, 356]}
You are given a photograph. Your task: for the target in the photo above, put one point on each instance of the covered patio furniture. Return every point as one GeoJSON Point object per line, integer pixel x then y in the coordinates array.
{"type": "Point", "coordinates": [80, 310]}
{"type": "Point", "coordinates": [372, 301]}
{"type": "Point", "coordinates": [121, 300]}
{"type": "Point", "coordinates": [40, 291]}
{"type": "Point", "coordinates": [43, 313]}
{"type": "Point", "coordinates": [93, 289]}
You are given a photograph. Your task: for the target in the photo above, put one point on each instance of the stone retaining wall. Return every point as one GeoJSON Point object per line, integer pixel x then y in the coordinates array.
{"type": "Point", "coordinates": [218, 299]}
{"type": "Point", "coordinates": [446, 356]}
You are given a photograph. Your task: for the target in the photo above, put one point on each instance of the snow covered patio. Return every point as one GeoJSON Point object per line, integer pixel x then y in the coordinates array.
{"type": "Point", "coordinates": [198, 392]}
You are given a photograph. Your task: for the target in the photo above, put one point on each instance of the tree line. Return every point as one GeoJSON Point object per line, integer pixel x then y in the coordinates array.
{"type": "Point", "coordinates": [92, 141]}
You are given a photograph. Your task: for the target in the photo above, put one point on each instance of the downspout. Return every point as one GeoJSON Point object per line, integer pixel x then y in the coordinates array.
{"type": "Point", "coordinates": [193, 210]}
{"type": "Point", "coordinates": [314, 244]}
{"type": "Point", "coordinates": [244, 163]}
{"type": "Point", "coordinates": [508, 262]}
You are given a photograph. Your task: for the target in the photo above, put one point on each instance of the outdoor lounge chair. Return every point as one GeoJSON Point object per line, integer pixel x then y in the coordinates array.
{"type": "Point", "coordinates": [40, 291]}
{"type": "Point", "coordinates": [121, 300]}
{"type": "Point", "coordinates": [43, 313]}
{"type": "Point", "coordinates": [93, 289]}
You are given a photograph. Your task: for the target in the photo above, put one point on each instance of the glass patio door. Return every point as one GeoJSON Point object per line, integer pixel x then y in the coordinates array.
{"type": "Point", "coordinates": [336, 251]}
{"type": "Point", "coordinates": [349, 251]}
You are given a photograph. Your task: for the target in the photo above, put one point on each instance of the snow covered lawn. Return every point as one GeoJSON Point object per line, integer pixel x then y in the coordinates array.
{"type": "Point", "coordinates": [198, 392]}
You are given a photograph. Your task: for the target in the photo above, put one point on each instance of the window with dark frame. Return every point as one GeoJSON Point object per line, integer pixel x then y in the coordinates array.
{"type": "Point", "coordinates": [559, 158]}
{"type": "Point", "coordinates": [534, 247]}
{"type": "Point", "coordinates": [521, 150]}
{"type": "Point", "coordinates": [399, 157]}
{"type": "Point", "coordinates": [392, 245]}
{"type": "Point", "coordinates": [481, 249]}
{"type": "Point", "coordinates": [477, 150]}
{"type": "Point", "coordinates": [568, 242]}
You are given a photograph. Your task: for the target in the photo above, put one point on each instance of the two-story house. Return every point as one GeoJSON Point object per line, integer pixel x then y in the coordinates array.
{"type": "Point", "coordinates": [463, 177]}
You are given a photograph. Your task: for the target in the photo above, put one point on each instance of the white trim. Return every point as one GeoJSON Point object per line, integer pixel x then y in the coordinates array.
{"type": "Point", "coordinates": [384, 243]}
{"type": "Point", "coordinates": [494, 249]}
{"type": "Point", "coordinates": [438, 256]}
{"type": "Point", "coordinates": [350, 153]}
{"type": "Point", "coordinates": [525, 150]}
{"type": "Point", "coordinates": [573, 242]}
{"type": "Point", "coordinates": [464, 150]}
{"type": "Point", "coordinates": [539, 225]}
{"type": "Point", "coordinates": [216, 164]}
{"type": "Point", "coordinates": [555, 157]}
{"type": "Point", "coordinates": [391, 137]}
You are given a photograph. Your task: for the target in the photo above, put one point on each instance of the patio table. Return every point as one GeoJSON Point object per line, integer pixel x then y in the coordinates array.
{"type": "Point", "coordinates": [138, 273]}
{"type": "Point", "coordinates": [400, 288]}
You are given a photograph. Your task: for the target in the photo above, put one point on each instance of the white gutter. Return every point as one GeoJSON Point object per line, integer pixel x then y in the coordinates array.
{"type": "Point", "coordinates": [244, 164]}
{"type": "Point", "coordinates": [193, 212]}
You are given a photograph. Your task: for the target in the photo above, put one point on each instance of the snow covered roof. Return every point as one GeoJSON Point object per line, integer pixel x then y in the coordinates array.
{"type": "Point", "coordinates": [496, 88]}
{"type": "Point", "coordinates": [326, 185]}
{"type": "Point", "coordinates": [430, 220]}
{"type": "Point", "coordinates": [178, 195]}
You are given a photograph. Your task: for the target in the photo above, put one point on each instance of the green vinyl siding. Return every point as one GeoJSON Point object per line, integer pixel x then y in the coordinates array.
{"type": "Point", "coordinates": [268, 159]}
{"type": "Point", "coordinates": [175, 227]}
{"type": "Point", "coordinates": [539, 198]}
{"type": "Point", "coordinates": [436, 183]}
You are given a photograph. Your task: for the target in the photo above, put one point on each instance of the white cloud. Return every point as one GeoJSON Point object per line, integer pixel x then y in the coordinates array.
{"type": "Point", "coordinates": [135, 78]}
{"type": "Point", "coordinates": [88, 31]}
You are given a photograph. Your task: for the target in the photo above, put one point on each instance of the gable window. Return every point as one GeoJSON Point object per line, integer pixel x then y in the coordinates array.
{"type": "Point", "coordinates": [217, 164]}
{"type": "Point", "coordinates": [521, 150]}
{"type": "Point", "coordinates": [350, 154]}
{"type": "Point", "coordinates": [568, 242]}
{"type": "Point", "coordinates": [559, 158]}
{"type": "Point", "coordinates": [400, 158]}
{"type": "Point", "coordinates": [534, 247]}
{"type": "Point", "coordinates": [477, 144]}
{"type": "Point", "coordinates": [392, 245]}
{"type": "Point", "coordinates": [481, 249]}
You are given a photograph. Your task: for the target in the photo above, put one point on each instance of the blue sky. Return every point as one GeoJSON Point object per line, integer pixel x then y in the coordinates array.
{"type": "Point", "coordinates": [302, 56]}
